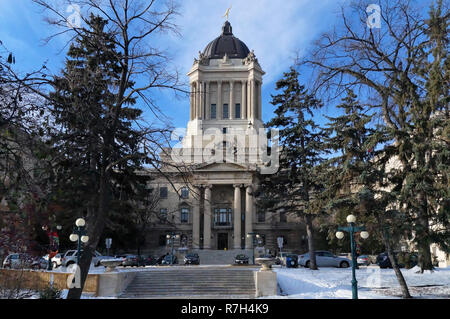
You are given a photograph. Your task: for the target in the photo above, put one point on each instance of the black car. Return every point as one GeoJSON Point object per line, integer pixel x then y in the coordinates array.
{"type": "Point", "coordinates": [241, 259]}
{"type": "Point", "coordinates": [192, 259]}
{"type": "Point", "coordinates": [383, 260]}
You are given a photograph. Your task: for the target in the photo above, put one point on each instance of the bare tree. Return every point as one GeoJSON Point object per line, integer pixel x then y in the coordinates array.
{"type": "Point", "coordinates": [144, 67]}
{"type": "Point", "coordinates": [401, 70]}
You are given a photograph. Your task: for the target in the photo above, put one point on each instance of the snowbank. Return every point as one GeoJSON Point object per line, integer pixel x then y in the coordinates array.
{"type": "Point", "coordinates": [334, 283]}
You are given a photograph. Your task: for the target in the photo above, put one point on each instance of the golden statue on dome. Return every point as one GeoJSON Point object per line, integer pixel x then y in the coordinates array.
{"type": "Point", "coordinates": [227, 13]}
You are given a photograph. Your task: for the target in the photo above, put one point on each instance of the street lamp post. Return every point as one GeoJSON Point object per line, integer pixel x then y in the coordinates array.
{"type": "Point", "coordinates": [352, 229]}
{"type": "Point", "coordinates": [79, 235]}
{"type": "Point", "coordinates": [253, 235]}
{"type": "Point", "coordinates": [172, 237]}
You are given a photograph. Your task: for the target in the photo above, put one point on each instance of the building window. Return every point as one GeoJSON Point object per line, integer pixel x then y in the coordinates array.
{"type": "Point", "coordinates": [222, 216]}
{"type": "Point", "coordinates": [213, 111]}
{"type": "Point", "coordinates": [224, 130]}
{"type": "Point", "coordinates": [163, 214]}
{"type": "Point", "coordinates": [226, 113]}
{"type": "Point", "coordinates": [184, 215]}
{"type": "Point", "coordinates": [261, 216]}
{"type": "Point", "coordinates": [185, 192]}
{"type": "Point", "coordinates": [163, 192]}
{"type": "Point", "coordinates": [238, 110]}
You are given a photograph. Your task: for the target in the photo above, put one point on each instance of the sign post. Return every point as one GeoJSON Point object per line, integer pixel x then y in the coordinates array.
{"type": "Point", "coordinates": [108, 243]}
{"type": "Point", "coordinates": [280, 245]}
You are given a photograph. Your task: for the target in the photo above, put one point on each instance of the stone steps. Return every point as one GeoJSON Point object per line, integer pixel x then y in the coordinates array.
{"type": "Point", "coordinates": [192, 283]}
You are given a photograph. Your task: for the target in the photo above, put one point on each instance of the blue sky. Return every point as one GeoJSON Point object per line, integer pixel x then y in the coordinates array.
{"type": "Point", "coordinates": [275, 30]}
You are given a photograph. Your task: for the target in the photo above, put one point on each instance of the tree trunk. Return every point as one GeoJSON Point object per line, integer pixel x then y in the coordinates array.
{"type": "Point", "coordinates": [310, 233]}
{"type": "Point", "coordinates": [422, 235]}
{"type": "Point", "coordinates": [95, 223]}
{"type": "Point", "coordinates": [398, 273]}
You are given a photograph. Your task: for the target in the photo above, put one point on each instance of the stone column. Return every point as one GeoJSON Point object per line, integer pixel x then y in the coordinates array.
{"type": "Point", "coordinates": [237, 216]}
{"type": "Point", "coordinates": [248, 216]}
{"type": "Point", "coordinates": [207, 216]}
{"type": "Point", "coordinates": [208, 103]}
{"type": "Point", "coordinates": [249, 99]}
{"type": "Point", "coordinates": [196, 100]}
{"type": "Point", "coordinates": [231, 105]}
{"type": "Point", "coordinates": [219, 101]}
{"type": "Point", "coordinates": [200, 100]}
{"type": "Point", "coordinates": [192, 96]}
{"type": "Point", "coordinates": [244, 100]}
{"type": "Point", "coordinates": [259, 101]}
{"type": "Point", "coordinates": [254, 101]}
{"type": "Point", "coordinates": [196, 219]}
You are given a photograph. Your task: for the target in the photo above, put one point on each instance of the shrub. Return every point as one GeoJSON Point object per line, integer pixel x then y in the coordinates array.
{"type": "Point", "coordinates": [50, 293]}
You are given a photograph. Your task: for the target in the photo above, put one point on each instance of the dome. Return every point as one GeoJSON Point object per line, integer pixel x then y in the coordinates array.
{"type": "Point", "coordinates": [228, 44]}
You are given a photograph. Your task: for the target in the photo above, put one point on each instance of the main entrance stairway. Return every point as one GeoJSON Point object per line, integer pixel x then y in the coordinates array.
{"type": "Point", "coordinates": [192, 282]}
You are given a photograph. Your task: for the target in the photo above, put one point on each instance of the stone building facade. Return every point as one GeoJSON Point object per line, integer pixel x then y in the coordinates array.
{"type": "Point", "coordinates": [213, 206]}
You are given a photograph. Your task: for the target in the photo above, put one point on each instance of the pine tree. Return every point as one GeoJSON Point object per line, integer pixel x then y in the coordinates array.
{"type": "Point", "coordinates": [355, 176]}
{"type": "Point", "coordinates": [294, 186]}
{"type": "Point", "coordinates": [97, 147]}
{"type": "Point", "coordinates": [423, 144]}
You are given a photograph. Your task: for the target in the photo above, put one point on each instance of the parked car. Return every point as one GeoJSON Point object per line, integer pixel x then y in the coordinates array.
{"type": "Point", "coordinates": [24, 261]}
{"type": "Point", "coordinates": [39, 263]}
{"type": "Point", "coordinates": [291, 261]}
{"type": "Point", "coordinates": [241, 259]}
{"type": "Point", "coordinates": [70, 257]}
{"type": "Point", "coordinates": [190, 259]}
{"type": "Point", "coordinates": [363, 260]}
{"type": "Point", "coordinates": [146, 260]}
{"type": "Point", "coordinates": [404, 259]}
{"type": "Point", "coordinates": [56, 260]}
{"type": "Point", "coordinates": [324, 259]}
{"type": "Point", "coordinates": [169, 260]}
{"type": "Point", "coordinates": [384, 262]}
{"type": "Point", "coordinates": [130, 260]}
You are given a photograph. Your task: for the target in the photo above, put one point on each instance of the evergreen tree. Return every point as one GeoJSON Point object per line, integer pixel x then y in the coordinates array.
{"type": "Point", "coordinates": [294, 186]}
{"type": "Point", "coordinates": [407, 74]}
{"type": "Point", "coordinates": [423, 143]}
{"type": "Point", "coordinates": [97, 148]}
{"type": "Point", "coordinates": [355, 176]}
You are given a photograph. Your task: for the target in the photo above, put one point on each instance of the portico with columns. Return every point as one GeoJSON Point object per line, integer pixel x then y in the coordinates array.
{"type": "Point", "coordinates": [226, 205]}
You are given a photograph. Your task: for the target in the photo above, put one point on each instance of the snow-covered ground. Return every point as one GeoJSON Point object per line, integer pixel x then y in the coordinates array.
{"type": "Point", "coordinates": [373, 283]}
{"type": "Point", "coordinates": [333, 283]}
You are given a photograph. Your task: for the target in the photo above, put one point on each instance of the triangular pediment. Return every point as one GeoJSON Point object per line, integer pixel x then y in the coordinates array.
{"type": "Point", "coordinates": [221, 167]}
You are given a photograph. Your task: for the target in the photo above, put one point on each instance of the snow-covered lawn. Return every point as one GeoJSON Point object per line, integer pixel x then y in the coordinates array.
{"type": "Point", "coordinates": [373, 282]}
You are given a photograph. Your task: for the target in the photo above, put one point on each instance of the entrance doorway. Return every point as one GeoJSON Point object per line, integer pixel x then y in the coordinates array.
{"type": "Point", "coordinates": [222, 241]}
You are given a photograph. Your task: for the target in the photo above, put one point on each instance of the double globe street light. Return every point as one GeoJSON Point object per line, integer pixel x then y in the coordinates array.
{"type": "Point", "coordinates": [352, 229]}
{"type": "Point", "coordinates": [253, 236]}
{"type": "Point", "coordinates": [79, 235]}
{"type": "Point", "coordinates": [171, 238]}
